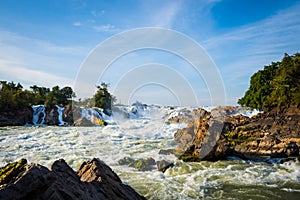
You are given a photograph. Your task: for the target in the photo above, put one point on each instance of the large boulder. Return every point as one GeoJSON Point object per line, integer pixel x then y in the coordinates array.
{"type": "Point", "coordinates": [94, 180]}
{"type": "Point", "coordinates": [202, 138]}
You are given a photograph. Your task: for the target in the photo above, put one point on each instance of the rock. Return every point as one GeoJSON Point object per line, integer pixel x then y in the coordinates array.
{"type": "Point", "coordinates": [215, 135]}
{"type": "Point", "coordinates": [202, 139]}
{"type": "Point", "coordinates": [166, 151]}
{"type": "Point", "coordinates": [11, 170]}
{"type": "Point", "coordinates": [83, 122]}
{"type": "Point", "coordinates": [144, 164]}
{"type": "Point", "coordinates": [184, 115]}
{"type": "Point", "coordinates": [118, 112]}
{"type": "Point", "coordinates": [274, 133]}
{"type": "Point", "coordinates": [163, 165]}
{"type": "Point", "coordinates": [94, 180]}
{"type": "Point", "coordinates": [126, 161]}
{"type": "Point", "coordinates": [51, 116]}
{"type": "Point", "coordinates": [68, 114]}
{"type": "Point", "coordinates": [18, 117]}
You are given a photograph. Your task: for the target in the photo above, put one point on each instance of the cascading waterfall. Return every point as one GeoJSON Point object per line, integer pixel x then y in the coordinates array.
{"type": "Point", "coordinates": [38, 115]}
{"type": "Point", "coordinates": [91, 114]}
{"type": "Point", "coordinates": [60, 111]}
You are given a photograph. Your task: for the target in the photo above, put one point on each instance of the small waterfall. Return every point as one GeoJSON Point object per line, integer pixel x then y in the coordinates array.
{"type": "Point", "coordinates": [60, 111]}
{"type": "Point", "coordinates": [92, 114]}
{"type": "Point", "coordinates": [38, 115]}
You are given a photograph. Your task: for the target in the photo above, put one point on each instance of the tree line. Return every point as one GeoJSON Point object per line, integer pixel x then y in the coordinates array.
{"type": "Point", "coordinates": [13, 96]}
{"type": "Point", "coordinates": [278, 84]}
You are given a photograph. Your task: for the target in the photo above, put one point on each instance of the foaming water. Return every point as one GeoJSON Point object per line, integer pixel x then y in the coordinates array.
{"type": "Point", "coordinates": [143, 137]}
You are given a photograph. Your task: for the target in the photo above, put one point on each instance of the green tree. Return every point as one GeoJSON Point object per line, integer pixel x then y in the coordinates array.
{"type": "Point", "coordinates": [276, 85]}
{"type": "Point", "coordinates": [103, 99]}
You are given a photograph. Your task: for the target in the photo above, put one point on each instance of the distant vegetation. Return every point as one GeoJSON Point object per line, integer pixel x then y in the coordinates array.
{"type": "Point", "coordinates": [101, 99]}
{"type": "Point", "coordinates": [13, 96]}
{"type": "Point", "coordinates": [276, 85]}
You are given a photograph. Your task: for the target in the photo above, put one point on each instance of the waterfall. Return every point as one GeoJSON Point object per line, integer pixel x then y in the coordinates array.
{"type": "Point", "coordinates": [60, 111]}
{"type": "Point", "coordinates": [38, 115]}
{"type": "Point", "coordinates": [92, 114]}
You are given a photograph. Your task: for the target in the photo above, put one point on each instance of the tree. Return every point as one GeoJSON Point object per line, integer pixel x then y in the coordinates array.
{"type": "Point", "coordinates": [103, 99]}
{"type": "Point", "coordinates": [276, 85]}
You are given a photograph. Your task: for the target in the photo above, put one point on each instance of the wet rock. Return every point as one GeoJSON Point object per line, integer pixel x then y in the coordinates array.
{"type": "Point", "coordinates": [166, 151]}
{"type": "Point", "coordinates": [51, 116]}
{"type": "Point", "coordinates": [274, 133]}
{"type": "Point", "coordinates": [116, 111]}
{"type": "Point", "coordinates": [163, 165]}
{"type": "Point", "coordinates": [126, 161]}
{"type": "Point", "coordinates": [18, 117]}
{"type": "Point", "coordinates": [202, 138]}
{"type": "Point", "coordinates": [68, 114]}
{"type": "Point", "coordinates": [94, 180]}
{"type": "Point", "coordinates": [213, 136]}
{"type": "Point", "coordinates": [9, 172]}
{"type": "Point", "coordinates": [83, 122]}
{"type": "Point", "coordinates": [144, 164]}
{"type": "Point", "coordinates": [184, 115]}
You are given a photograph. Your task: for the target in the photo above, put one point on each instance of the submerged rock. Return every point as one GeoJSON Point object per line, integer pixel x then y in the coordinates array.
{"type": "Point", "coordinates": [163, 165]}
{"type": "Point", "coordinates": [142, 164]}
{"type": "Point", "coordinates": [94, 180]}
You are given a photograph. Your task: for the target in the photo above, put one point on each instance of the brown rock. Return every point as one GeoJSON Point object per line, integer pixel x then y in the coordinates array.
{"type": "Point", "coordinates": [95, 180]}
{"type": "Point", "coordinates": [51, 116]}
{"type": "Point", "coordinates": [202, 139]}
{"type": "Point", "coordinates": [16, 117]}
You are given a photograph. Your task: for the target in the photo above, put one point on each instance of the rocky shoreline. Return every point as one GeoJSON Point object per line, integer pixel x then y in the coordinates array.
{"type": "Point", "coordinates": [50, 116]}
{"type": "Point", "coordinates": [93, 180]}
{"type": "Point", "coordinates": [274, 134]}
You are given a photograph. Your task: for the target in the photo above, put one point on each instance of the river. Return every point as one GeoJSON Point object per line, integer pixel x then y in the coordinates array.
{"type": "Point", "coordinates": [142, 138]}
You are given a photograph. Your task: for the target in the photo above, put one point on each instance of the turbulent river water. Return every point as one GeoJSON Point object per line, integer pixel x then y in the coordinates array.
{"type": "Point", "coordinates": [142, 138]}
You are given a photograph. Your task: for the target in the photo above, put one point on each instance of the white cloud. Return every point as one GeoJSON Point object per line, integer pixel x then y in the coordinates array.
{"type": "Point", "coordinates": [166, 15]}
{"type": "Point", "coordinates": [77, 24]}
{"type": "Point", "coordinates": [9, 71]}
{"type": "Point", "coordinates": [105, 28]}
{"type": "Point", "coordinates": [242, 51]}
{"type": "Point", "coordinates": [28, 60]}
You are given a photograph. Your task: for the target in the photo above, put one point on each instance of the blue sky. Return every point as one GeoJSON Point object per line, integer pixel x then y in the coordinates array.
{"type": "Point", "coordinates": [46, 42]}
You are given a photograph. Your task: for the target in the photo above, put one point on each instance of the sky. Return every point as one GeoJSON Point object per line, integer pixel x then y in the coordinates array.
{"type": "Point", "coordinates": [50, 42]}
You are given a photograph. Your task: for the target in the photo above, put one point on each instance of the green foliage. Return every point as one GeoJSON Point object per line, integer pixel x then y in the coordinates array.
{"type": "Point", "coordinates": [103, 99]}
{"type": "Point", "coordinates": [276, 85]}
{"type": "Point", "coordinates": [13, 97]}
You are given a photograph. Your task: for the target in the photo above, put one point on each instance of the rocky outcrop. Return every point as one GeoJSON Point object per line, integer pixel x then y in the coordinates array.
{"type": "Point", "coordinates": [212, 136]}
{"type": "Point", "coordinates": [94, 180]}
{"type": "Point", "coordinates": [275, 133]}
{"type": "Point", "coordinates": [202, 138]}
{"type": "Point", "coordinates": [16, 117]}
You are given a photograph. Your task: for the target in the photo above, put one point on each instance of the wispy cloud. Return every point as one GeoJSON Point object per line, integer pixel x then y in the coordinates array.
{"type": "Point", "coordinates": [106, 28]}
{"type": "Point", "coordinates": [10, 72]}
{"type": "Point", "coordinates": [77, 24]}
{"type": "Point", "coordinates": [30, 60]}
{"type": "Point", "coordinates": [166, 15]}
{"type": "Point", "coordinates": [242, 51]}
